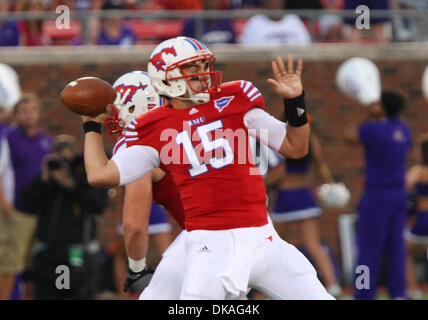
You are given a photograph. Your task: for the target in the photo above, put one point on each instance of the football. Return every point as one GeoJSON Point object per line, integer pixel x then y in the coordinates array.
{"type": "Point", "coordinates": [88, 96]}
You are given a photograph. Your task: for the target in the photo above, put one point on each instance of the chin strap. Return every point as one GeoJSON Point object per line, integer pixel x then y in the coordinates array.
{"type": "Point", "coordinates": [194, 97]}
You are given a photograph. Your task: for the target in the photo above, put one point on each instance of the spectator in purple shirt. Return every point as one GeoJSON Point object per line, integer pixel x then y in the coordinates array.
{"type": "Point", "coordinates": [213, 30]}
{"type": "Point", "coordinates": [22, 149]}
{"type": "Point", "coordinates": [382, 211]}
{"type": "Point", "coordinates": [113, 31]}
{"type": "Point", "coordinates": [9, 29]}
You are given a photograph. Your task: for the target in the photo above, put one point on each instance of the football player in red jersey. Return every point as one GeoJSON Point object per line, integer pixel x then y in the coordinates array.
{"type": "Point", "coordinates": [137, 96]}
{"type": "Point", "coordinates": [140, 216]}
{"type": "Point", "coordinates": [229, 243]}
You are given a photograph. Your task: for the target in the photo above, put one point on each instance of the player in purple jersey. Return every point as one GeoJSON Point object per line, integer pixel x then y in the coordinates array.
{"type": "Point", "coordinates": [382, 210]}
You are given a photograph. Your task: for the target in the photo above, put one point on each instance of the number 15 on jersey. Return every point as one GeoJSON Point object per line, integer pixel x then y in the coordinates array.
{"type": "Point", "coordinates": [198, 167]}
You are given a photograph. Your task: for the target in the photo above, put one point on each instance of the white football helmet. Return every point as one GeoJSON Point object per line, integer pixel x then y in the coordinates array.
{"type": "Point", "coordinates": [136, 96]}
{"type": "Point", "coordinates": [10, 90]}
{"type": "Point", "coordinates": [334, 195]}
{"type": "Point", "coordinates": [166, 69]}
{"type": "Point", "coordinates": [359, 78]}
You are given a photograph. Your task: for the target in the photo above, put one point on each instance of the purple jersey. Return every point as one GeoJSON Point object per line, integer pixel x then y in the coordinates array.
{"type": "Point", "coordinates": [9, 33]}
{"type": "Point", "coordinates": [2, 128]}
{"type": "Point", "coordinates": [217, 31]}
{"type": "Point", "coordinates": [126, 37]}
{"type": "Point", "coordinates": [387, 144]}
{"type": "Point", "coordinates": [26, 154]}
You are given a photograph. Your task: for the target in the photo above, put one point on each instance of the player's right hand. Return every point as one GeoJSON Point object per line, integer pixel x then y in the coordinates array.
{"type": "Point", "coordinates": [99, 118]}
{"type": "Point", "coordinates": [135, 276]}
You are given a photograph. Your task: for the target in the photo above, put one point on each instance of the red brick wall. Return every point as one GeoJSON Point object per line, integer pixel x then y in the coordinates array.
{"type": "Point", "coordinates": [331, 112]}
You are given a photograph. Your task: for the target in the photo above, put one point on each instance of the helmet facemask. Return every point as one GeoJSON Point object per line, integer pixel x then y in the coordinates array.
{"type": "Point", "coordinates": [210, 80]}
{"type": "Point", "coordinates": [114, 124]}
{"type": "Point", "coordinates": [137, 96]}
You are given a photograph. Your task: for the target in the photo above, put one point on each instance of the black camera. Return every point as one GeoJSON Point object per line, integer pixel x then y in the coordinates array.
{"type": "Point", "coordinates": [57, 163]}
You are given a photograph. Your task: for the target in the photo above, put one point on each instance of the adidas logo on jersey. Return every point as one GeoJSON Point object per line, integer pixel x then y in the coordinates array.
{"type": "Point", "coordinates": [222, 103]}
{"type": "Point", "coordinates": [193, 111]}
{"type": "Point", "coordinates": [204, 249]}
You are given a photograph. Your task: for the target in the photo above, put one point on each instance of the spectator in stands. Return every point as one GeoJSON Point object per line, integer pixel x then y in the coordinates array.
{"type": "Point", "coordinates": [53, 4]}
{"type": "Point", "coordinates": [22, 148]}
{"type": "Point", "coordinates": [113, 30]}
{"type": "Point", "coordinates": [213, 30]}
{"type": "Point", "coordinates": [32, 30]}
{"type": "Point", "coordinates": [82, 4]}
{"type": "Point", "coordinates": [245, 4]}
{"type": "Point", "coordinates": [94, 25]}
{"type": "Point", "coordinates": [331, 25]}
{"type": "Point", "coordinates": [180, 5]}
{"type": "Point", "coordinates": [9, 28]}
{"type": "Point", "coordinates": [67, 207]}
{"type": "Point", "coordinates": [377, 24]}
{"type": "Point", "coordinates": [264, 30]}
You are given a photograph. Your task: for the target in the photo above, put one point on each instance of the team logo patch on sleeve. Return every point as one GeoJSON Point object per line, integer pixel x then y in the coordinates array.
{"type": "Point", "coordinates": [222, 103]}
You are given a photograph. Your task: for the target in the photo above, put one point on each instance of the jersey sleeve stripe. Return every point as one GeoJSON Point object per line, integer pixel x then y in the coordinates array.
{"type": "Point", "coordinates": [252, 92]}
{"type": "Point", "coordinates": [120, 140]}
{"type": "Point", "coordinates": [120, 143]}
{"type": "Point", "coordinates": [131, 133]}
{"type": "Point", "coordinates": [131, 139]}
{"type": "Point", "coordinates": [256, 96]}
{"type": "Point", "coordinates": [247, 86]}
{"type": "Point", "coordinates": [130, 126]}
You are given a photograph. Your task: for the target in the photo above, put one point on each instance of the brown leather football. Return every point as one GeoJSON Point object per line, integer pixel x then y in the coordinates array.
{"type": "Point", "coordinates": [88, 96]}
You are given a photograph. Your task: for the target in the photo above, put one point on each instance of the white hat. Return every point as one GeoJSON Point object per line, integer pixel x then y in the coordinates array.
{"type": "Point", "coordinates": [359, 78]}
{"type": "Point", "coordinates": [10, 90]}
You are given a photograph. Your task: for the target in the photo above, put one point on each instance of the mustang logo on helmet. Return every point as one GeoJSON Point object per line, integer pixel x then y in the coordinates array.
{"type": "Point", "coordinates": [122, 89]}
{"type": "Point", "coordinates": [157, 59]}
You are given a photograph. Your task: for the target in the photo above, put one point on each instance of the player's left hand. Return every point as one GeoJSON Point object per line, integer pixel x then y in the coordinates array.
{"type": "Point", "coordinates": [135, 276]}
{"type": "Point", "coordinates": [287, 82]}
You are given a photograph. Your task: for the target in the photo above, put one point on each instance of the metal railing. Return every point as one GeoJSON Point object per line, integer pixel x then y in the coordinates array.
{"type": "Point", "coordinates": [418, 17]}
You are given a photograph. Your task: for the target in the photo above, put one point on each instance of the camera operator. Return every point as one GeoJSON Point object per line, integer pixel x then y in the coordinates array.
{"type": "Point", "coordinates": [66, 231]}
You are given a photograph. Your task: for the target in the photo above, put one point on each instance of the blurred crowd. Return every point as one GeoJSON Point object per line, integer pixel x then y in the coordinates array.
{"type": "Point", "coordinates": [259, 29]}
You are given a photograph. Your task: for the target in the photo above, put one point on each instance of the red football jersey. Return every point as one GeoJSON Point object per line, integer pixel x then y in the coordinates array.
{"type": "Point", "coordinates": [165, 192]}
{"type": "Point", "coordinates": [206, 150]}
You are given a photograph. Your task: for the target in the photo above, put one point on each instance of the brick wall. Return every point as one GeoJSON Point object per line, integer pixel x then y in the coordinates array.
{"type": "Point", "coordinates": [331, 112]}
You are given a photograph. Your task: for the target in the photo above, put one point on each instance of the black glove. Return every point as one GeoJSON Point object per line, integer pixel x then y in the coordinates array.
{"type": "Point", "coordinates": [135, 276]}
